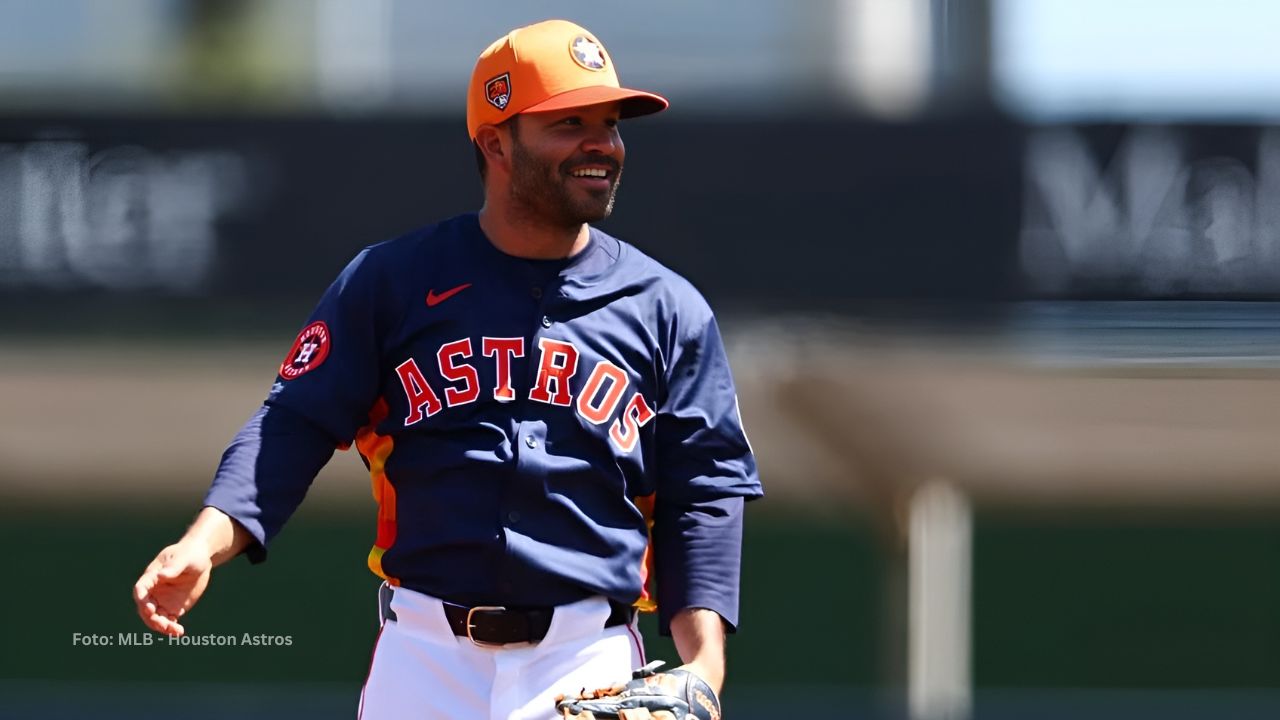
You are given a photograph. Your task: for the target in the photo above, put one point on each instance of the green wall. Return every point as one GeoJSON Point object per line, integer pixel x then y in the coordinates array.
{"type": "Point", "coordinates": [1100, 601]}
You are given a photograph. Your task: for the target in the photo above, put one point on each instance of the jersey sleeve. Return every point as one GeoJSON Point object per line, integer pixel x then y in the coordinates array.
{"type": "Point", "coordinates": [324, 389]}
{"type": "Point", "coordinates": [706, 472]}
{"type": "Point", "coordinates": [330, 375]}
{"type": "Point", "coordinates": [266, 471]}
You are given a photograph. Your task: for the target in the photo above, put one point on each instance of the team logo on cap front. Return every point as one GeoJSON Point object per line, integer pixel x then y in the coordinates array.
{"type": "Point", "coordinates": [587, 53]}
{"type": "Point", "coordinates": [498, 91]}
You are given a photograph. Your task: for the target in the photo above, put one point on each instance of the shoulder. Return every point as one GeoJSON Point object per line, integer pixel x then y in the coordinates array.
{"type": "Point", "coordinates": [379, 285]}
{"type": "Point", "coordinates": [417, 243]}
{"type": "Point", "coordinates": [407, 256]}
{"type": "Point", "coordinates": [673, 292]}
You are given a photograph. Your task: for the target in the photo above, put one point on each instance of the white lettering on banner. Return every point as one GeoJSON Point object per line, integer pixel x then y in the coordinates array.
{"type": "Point", "coordinates": [1152, 220]}
{"type": "Point", "coordinates": [121, 218]}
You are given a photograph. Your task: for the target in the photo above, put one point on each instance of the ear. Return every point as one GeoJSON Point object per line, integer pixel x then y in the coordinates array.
{"type": "Point", "coordinates": [496, 146]}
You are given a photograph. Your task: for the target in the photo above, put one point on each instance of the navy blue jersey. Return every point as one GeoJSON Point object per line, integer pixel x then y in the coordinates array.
{"type": "Point", "coordinates": [536, 431]}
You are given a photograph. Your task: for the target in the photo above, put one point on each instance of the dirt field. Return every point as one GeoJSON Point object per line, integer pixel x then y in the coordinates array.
{"type": "Point", "coordinates": [844, 420]}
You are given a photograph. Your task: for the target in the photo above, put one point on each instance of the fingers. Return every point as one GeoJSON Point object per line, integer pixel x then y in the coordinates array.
{"type": "Point", "coordinates": [145, 606]}
{"type": "Point", "coordinates": [166, 624]}
{"type": "Point", "coordinates": [146, 581]}
{"type": "Point", "coordinates": [159, 620]}
{"type": "Point", "coordinates": [159, 604]}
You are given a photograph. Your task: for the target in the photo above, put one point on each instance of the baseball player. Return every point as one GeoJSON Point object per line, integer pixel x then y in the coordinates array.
{"type": "Point", "coordinates": [548, 420]}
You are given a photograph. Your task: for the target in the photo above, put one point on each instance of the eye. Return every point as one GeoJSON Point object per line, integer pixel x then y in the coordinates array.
{"type": "Point", "coordinates": [611, 122]}
{"type": "Point", "coordinates": [573, 120]}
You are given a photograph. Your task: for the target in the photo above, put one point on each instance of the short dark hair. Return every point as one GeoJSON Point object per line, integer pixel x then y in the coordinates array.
{"type": "Point", "coordinates": [483, 165]}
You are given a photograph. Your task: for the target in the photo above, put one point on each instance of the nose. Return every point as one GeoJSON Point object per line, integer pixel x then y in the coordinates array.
{"type": "Point", "coordinates": [603, 140]}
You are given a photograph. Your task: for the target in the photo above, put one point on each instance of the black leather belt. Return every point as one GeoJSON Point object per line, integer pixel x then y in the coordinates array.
{"type": "Point", "coordinates": [494, 625]}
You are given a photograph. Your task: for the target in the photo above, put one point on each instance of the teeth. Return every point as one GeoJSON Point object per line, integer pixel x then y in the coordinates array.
{"type": "Point", "coordinates": [590, 172]}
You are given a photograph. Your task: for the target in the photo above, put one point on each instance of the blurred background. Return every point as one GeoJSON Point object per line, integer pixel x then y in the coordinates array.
{"type": "Point", "coordinates": [997, 279]}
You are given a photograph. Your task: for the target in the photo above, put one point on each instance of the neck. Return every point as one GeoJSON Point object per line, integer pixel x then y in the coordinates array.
{"type": "Point", "coordinates": [523, 236]}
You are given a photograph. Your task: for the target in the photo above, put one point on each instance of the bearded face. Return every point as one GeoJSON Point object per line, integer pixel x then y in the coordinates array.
{"type": "Point", "coordinates": [562, 191]}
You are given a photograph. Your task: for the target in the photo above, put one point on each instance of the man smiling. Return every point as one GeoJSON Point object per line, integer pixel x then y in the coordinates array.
{"type": "Point", "coordinates": [546, 413]}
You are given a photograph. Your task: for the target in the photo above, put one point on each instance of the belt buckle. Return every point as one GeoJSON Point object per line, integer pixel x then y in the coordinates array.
{"type": "Point", "coordinates": [471, 626]}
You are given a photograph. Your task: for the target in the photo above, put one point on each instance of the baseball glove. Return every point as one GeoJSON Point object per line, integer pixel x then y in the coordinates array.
{"type": "Point", "coordinates": [679, 694]}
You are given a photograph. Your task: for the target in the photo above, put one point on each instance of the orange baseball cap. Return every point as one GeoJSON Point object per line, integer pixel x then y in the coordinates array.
{"type": "Point", "coordinates": [551, 65]}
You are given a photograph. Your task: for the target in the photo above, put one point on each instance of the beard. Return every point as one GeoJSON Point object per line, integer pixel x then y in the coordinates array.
{"type": "Point", "coordinates": [542, 190]}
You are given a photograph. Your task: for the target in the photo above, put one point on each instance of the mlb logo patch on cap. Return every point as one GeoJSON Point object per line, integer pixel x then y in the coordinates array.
{"type": "Point", "coordinates": [498, 91]}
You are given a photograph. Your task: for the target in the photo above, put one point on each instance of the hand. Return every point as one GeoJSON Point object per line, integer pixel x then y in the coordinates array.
{"type": "Point", "coordinates": [171, 585]}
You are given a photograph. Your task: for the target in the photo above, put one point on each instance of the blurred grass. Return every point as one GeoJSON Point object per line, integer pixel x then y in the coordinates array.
{"type": "Point", "coordinates": [1114, 599]}
{"type": "Point", "coordinates": [1086, 600]}
{"type": "Point", "coordinates": [77, 565]}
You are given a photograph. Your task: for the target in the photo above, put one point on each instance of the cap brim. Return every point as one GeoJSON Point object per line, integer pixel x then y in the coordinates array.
{"type": "Point", "coordinates": [634, 102]}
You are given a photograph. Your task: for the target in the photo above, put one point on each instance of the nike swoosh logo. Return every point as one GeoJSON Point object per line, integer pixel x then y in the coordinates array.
{"type": "Point", "coordinates": [433, 299]}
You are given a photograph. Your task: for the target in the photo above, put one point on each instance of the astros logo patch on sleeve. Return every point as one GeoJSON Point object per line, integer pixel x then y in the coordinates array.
{"type": "Point", "coordinates": [308, 351]}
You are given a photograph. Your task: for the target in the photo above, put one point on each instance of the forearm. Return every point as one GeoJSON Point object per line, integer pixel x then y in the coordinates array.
{"type": "Point", "coordinates": [699, 637]}
{"type": "Point", "coordinates": [223, 537]}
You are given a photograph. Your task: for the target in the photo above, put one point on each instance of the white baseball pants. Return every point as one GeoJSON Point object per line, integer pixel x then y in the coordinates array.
{"type": "Point", "coordinates": [421, 670]}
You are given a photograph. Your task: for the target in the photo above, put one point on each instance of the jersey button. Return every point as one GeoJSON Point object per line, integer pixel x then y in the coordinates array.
{"type": "Point", "coordinates": [536, 293]}
{"type": "Point", "coordinates": [546, 321]}
{"type": "Point", "coordinates": [513, 517]}
{"type": "Point", "coordinates": [531, 441]}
